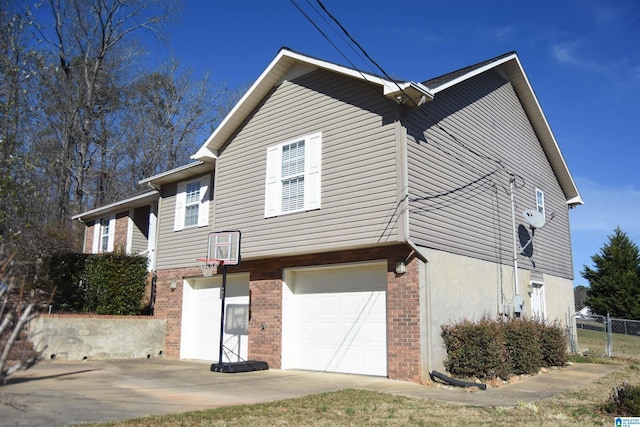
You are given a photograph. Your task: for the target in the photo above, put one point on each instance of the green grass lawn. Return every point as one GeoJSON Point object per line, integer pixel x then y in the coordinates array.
{"type": "Point", "coordinates": [624, 346]}
{"type": "Point", "coordinates": [580, 407]}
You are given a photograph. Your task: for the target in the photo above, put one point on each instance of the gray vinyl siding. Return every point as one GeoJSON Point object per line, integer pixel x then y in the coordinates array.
{"type": "Point", "coordinates": [358, 195]}
{"type": "Point", "coordinates": [178, 249]}
{"type": "Point", "coordinates": [453, 208]}
{"type": "Point", "coordinates": [139, 238]}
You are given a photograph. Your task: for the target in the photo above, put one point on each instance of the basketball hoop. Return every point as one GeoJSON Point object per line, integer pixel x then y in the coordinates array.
{"type": "Point", "coordinates": [209, 266]}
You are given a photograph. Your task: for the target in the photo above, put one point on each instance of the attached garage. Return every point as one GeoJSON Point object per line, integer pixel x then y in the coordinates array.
{"type": "Point", "coordinates": [201, 305]}
{"type": "Point", "coordinates": [334, 319]}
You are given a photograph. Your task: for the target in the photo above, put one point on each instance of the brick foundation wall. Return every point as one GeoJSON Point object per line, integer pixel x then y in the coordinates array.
{"type": "Point", "coordinates": [265, 324]}
{"type": "Point", "coordinates": [403, 324]}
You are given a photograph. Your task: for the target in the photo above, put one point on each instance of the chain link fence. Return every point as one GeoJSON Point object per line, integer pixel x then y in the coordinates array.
{"type": "Point", "coordinates": [605, 336]}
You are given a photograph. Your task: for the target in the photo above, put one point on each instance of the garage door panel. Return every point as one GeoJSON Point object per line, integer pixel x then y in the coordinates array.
{"type": "Point", "coordinates": [341, 331]}
{"type": "Point", "coordinates": [201, 319]}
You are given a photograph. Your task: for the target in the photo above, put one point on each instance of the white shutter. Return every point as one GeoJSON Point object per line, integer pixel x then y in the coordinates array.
{"type": "Point", "coordinates": [203, 211]}
{"type": "Point", "coordinates": [312, 169]}
{"type": "Point", "coordinates": [112, 233]}
{"type": "Point", "coordinates": [272, 196]}
{"type": "Point", "coordinates": [181, 198]}
{"type": "Point", "coordinates": [96, 236]}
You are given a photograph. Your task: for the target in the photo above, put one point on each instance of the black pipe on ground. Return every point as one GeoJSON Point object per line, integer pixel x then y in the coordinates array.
{"type": "Point", "coordinates": [455, 382]}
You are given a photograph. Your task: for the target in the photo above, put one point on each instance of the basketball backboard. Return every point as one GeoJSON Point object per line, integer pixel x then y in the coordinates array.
{"type": "Point", "coordinates": [225, 246]}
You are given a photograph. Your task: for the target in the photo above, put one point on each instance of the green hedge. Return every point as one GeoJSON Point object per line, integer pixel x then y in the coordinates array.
{"type": "Point", "coordinates": [491, 348]}
{"type": "Point", "coordinates": [116, 283]}
{"type": "Point", "coordinates": [110, 283]}
{"type": "Point", "coordinates": [67, 279]}
{"type": "Point", "coordinates": [475, 349]}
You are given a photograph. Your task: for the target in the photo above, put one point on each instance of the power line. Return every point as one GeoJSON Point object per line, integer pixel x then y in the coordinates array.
{"type": "Point", "coordinates": [499, 162]}
{"type": "Point", "coordinates": [437, 124]}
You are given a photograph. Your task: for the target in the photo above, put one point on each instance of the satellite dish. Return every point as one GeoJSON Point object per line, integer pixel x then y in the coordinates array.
{"type": "Point", "coordinates": [534, 218]}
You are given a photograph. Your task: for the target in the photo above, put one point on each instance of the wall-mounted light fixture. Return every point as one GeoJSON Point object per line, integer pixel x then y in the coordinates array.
{"type": "Point", "coordinates": [173, 284]}
{"type": "Point", "coordinates": [401, 267]}
{"type": "Point", "coordinates": [530, 288]}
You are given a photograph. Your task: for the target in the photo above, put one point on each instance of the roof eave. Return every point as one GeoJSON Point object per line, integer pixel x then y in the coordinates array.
{"type": "Point", "coordinates": [278, 71]}
{"type": "Point", "coordinates": [132, 202]}
{"type": "Point", "coordinates": [177, 174]}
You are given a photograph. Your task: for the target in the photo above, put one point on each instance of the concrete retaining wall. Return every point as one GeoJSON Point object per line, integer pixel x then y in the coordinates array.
{"type": "Point", "coordinates": [82, 337]}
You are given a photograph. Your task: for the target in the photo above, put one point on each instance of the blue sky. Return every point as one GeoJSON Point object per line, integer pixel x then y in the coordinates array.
{"type": "Point", "coordinates": [582, 58]}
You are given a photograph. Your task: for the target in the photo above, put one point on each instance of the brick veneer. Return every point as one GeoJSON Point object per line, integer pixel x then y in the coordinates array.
{"type": "Point", "coordinates": [403, 324]}
{"type": "Point", "coordinates": [403, 308]}
{"type": "Point", "coordinates": [168, 305]}
{"type": "Point", "coordinates": [265, 325]}
{"type": "Point", "coordinates": [121, 231]}
{"type": "Point", "coordinates": [88, 235]}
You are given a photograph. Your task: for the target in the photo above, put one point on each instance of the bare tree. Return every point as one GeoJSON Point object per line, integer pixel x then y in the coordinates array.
{"type": "Point", "coordinates": [17, 309]}
{"type": "Point", "coordinates": [17, 65]}
{"type": "Point", "coordinates": [93, 41]}
{"type": "Point", "coordinates": [168, 116]}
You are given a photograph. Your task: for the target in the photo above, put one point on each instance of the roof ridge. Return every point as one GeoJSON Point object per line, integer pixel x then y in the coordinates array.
{"type": "Point", "coordinates": [445, 78]}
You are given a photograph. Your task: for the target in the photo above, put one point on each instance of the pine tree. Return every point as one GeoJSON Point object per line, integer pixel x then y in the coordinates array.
{"type": "Point", "coordinates": [615, 280]}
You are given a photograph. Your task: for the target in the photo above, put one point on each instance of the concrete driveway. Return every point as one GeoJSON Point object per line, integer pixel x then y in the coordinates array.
{"type": "Point", "coordinates": [64, 393]}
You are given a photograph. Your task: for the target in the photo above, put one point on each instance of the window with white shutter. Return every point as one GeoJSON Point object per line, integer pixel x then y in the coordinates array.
{"type": "Point", "coordinates": [104, 231]}
{"type": "Point", "coordinates": [293, 176]}
{"type": "Point", "coordinates": [192, 204]}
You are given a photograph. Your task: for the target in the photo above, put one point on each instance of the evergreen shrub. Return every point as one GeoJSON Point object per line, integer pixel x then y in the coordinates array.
{"type": "Point", "coordinates": [66, 275]}
{"type": "Point", "coordinates": [522, 342]}
{"type": "Point", "coordinates": [116, 283]}
{"type": "Point", "coordinates": [501, 348]}
{"type": "Point", "coordinates": [475, 349]}
{"type": "Point", "coordinates": [554, 344]}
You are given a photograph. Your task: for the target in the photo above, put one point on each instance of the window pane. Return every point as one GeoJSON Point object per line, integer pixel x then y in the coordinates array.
{"type": "Point", "coordinates": [293, 159]}
{"type": "Point", "coordinates": [192, 204]}
{"type": "Point", "coordinates": [540, 201]}
{"type": "Point", "coordinates": [191, 215]}
{"type": "Point", "coordinates": [292, 194]}
{"type": "Point", "coordinates": [104, 241]}
{"type": "Point", "coordinates": [193, 192]}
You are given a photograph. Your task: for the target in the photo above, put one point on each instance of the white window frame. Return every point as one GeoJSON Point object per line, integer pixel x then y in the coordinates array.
{"type": "Point", "coordinates": [202, 203]}
{"type": "Point", "coordinates": [540, 202]}
{"type": "Point", "coordinates": [99, 234]}
{"type": "Point", "coordinates": [273, 205]}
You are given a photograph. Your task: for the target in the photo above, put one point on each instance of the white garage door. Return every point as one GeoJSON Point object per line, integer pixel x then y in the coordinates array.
{"type": "Point", "coordinates": [201, 305]}
{"type": "Point", "coordinates": [340, 320]}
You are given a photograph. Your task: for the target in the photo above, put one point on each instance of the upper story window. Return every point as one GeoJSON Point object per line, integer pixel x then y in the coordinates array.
{"type": "Point", "coordinates": [192, 203]}
{"type": "Point", "coordinates": [540, 201]}
{"type": "Point", "coordinates": [293, 176]}
{"type": "Point", "coordinates": [104, 231]}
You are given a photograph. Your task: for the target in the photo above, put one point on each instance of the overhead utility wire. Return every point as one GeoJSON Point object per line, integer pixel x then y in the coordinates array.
{"type": "Point", "coordinates": [353, 49]}
{"type": "Point", "coordinates": [354, 41]}
{"type": "Point", "coordinates": [454, 196]}
{"type": "Point", "coordinates": [293, 2]}
{"type": "Point", "coordinates": [394, 105]}
{"type": "Point", "coordinates": [436, 123]}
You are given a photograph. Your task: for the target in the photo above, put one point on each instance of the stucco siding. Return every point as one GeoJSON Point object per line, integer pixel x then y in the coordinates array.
{"type": "Point", "coordinates": [358, 164]}
{"type": "Point", "coordinates": [460, 287]}
{"type": "Point", "coordinates": [179, 248]}
{"type": "Point", "coordinates": [462, 148]}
